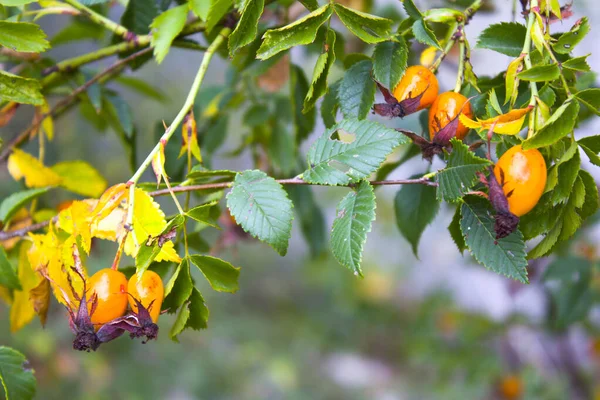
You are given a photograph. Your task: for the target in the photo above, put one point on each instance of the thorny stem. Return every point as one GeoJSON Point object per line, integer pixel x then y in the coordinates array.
{"type": "Point", "coordinates": [469, 12]}
{"type": "Point", "coordinates": [558, 63]}
{"type": "Point", "coordinates": [102, 21]}
{"type": "Point", "coordinates": [295, 181]}
{"type": "Point", "coordinates": [462, 54]}
{"type": "Point", "coordinates": [189, 102]}
{"type": "Point", "coordinates": [140, 42]}
{"type": "Point", "coordinates": [527, 59]}
{"type": "Point", "coordinates": [424, 180]}
{"type": "Point", "coordinates": [449, 44]}
{"type": "Point", "coordinates": [67, 100]}
{"type": "Point", "coordinates": [187, 106]}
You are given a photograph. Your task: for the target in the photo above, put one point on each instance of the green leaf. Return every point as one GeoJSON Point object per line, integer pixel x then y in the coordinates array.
{"type": "Point", "coordinates": [8, 274]}
{"type": "Point", "coordinates": [180, 322]}
{"type": "Point", "coordinates": [11, 204]}
{"type": "Point", "coordinates": [416, 207]}
{"type": "Point", "coordinates": [81, 178]}
{"type": "Point", "coordinates": [567, 174]}
{"type": "Point", "coordinates": [424, 34]}
{"type": "Point", "coordinates": [540, 73]}
{"type": "Point", "coordinates": [16, 377]}
{"type": "Point", "coordinates": [166, 28]}
{"type": "Point", "coordinates": [369, 28]}
{"type": "Point", "coordinates": [560, 124]}
{"type": "Point", "coordinates": [591, 99]}
{"type": "Point", "coordinates": [591, 147]}
{"type": "Point", "coordinates": [455, 232]}
{"type": "Point", "coordinates": [300, 32]}
{"type": "Point", "coordinates": [318, 86]}
{"type": "Point", "coordinates": [138, 15]}
{"type": "Point", "coordinates": [200, 8]}
{"type": "Point", "coordinates": [221, 275]}
{"type": "Point", "coordinates": [411, 9]}
{"type": "Point", "coordinates": [145, 256]}
{"type": "Point", "coordinates": [25, 37]}
{"type": "Point", "coordinates": [216, 12]}
{"type": "Point", "coordinates": [261, 207]}
{"type": "Point", "coordinates": [205, 213]}
{"type": "Point", "coordinates": [356, 93]}
{"type": "Point", "coordinates": [312, 221]}
{"type": "Point", "coordinates": [505, 38]}
{"type": "Point", "coordinates": [505, 256]}
{"type": "Point", "coordinates": [578, 64]}
{"type": "Point", "coordinates": [568, 40]}
{"type": "Point", "coordinates": [389, 62]}
{"type": "Point", "coordinates": [200, 173]}
{"type": "Point", "coordinates": [334, 162]}
{"type": "Point", "coordinates": [20, 90]}
{"type": "Point", "coordinates": [311, 5]}
{"type": "Point", "coordinates": [591, 201]}
{"type": "Point", "coordinates": [330, 105]}
{"type": "Point", "coordinates": [179, 287]}
{"type": "Point", "coordinates": [247, 27]}
{"type": "Point", "coordinates": [460, 173]}
{"type": "Point", "coordinates": [354, 215]}
{"type": "Point", "coordinates": [199, 313]}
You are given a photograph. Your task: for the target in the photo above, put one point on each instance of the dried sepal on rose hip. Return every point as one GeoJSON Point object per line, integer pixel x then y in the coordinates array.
{"type": "Point", "coordinates": [417, 90]}
{"type": "Point", "coordinates": [515, 186]}
{"type": "Point", "coordinates": [145, 299]}
{"type": "Point", "coordinates": [444, 124]}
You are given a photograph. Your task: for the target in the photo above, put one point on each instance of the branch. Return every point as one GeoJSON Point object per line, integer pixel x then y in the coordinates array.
{"type": "Point", "coordinates": [141, 41]}
{"type": "Point", "coordinates": [456, 34]}
{"type": "Point", "coordinates": [68, 100]}
{"type": "Point", "coordinates": [102, 20]}
{"type": "Point", "coordinates": [187, 105]}
{"type": "Point", "coordinates": [5, 235]}
{"type": "Point", "coordinates": [292, 181]}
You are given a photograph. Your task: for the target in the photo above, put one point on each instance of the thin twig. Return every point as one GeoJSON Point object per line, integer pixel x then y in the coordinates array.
{"type": "Point", "coordinates": [68, 100]}
{"type": "Point", "coordinates": [223, 185]}
{"type": "Point", "coordinates": [292, 181]}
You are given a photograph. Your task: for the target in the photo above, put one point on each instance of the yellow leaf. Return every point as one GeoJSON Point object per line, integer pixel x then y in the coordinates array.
{"type": "Point", "coordinates": [40, 299]}
{"type": "Point", "coordinates": [158, 162]}
{"type": "Point", "coordinates": [110, 199]}
{"type": "Point", "coordinates": [111, 227]}
{"type": "Point", "coordinates": [77, 220]}
{"type": "Point", "coordinates": [21, 310]}
{"type": "Point", "coordinates": [80, 177]}
{"type": "Point", "coordinates": [504, 124]}
{"type": "Point", "coordinates": [512, 82]}
{"type": "Point", "coordinates": [21, 164]}
{"type": "Point", "coordinates": [189, 133]}
{"type": "Point", "coordinates": [54, 259]}
{"type": "Point", "coordinates": [148, 220]}
{"type": "Point", "coordinates": [47, 122]}
{"type": "Point", "coordinates": [428, 56]}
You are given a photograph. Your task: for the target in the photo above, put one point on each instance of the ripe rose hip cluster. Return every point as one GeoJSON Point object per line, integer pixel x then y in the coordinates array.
{"type": "Point", "coordinates": [102, 314]}
{"type": "Point", "coordinates": [517, 181]}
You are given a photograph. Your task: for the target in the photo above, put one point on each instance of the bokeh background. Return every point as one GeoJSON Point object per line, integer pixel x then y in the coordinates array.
{"type": "Point", "coordinates": [434, 327]}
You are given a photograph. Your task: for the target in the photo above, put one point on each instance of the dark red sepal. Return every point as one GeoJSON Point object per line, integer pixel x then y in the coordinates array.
{"type": "Point", "coordinates": [505, 221]}
{"type": "Point", "coordinates": [392, 108]}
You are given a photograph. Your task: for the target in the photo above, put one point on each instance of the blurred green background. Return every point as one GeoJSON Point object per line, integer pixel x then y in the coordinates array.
{"type": "Point", "coordinates": [438, 327]}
